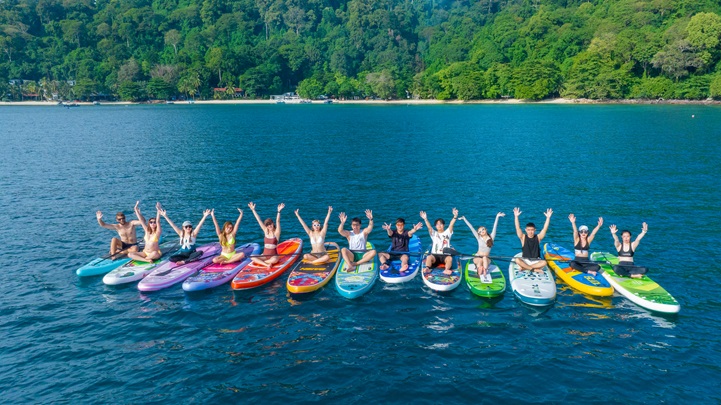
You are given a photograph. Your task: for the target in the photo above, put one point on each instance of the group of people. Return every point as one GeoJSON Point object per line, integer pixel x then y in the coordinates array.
{"type": "Point", "coordinates": [358, 251]}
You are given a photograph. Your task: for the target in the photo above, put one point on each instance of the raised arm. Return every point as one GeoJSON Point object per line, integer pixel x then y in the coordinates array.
{"type": "Point", "coordinates": [644, 229]}
{"type": "Point", "coordinates": [327, 219]}
{"type": "Point", "coordinates": [495, 224]}
{"type": "Point", "coordinates": [369, 228]}
{"type": "Point", "coordinates": [473, 230]}
{"type": "Point", "coordinates": [140, 216]}
{"type": "Point", "coordinates": [342, 231]}
{"type": "Point", "coordinates": [572, 218]}
{"type": "Point", "coordinates": [164, 213]}
{"type": "Point", "coordinates": [251, 205]}
{"type": "Point", "coordinates": [548, 214]}
{"type": "Point", "coordinates": [453, 220]}
{"type": "Point", "coordinates": [415, 229]}
{"type": "Point", "coordinates": [237, 221]}
{"type": "Point", "coordinates": [277, 220]}
{"type": "Point", "coordinates": [616, 243]}
{"type": "Point", "coordinates": [215, 222]}
{"type": "Point", "coordinates": [387, 227]}
{"type": "Point", "coordinates": [302, 223]}
{"type": "Point", "coordinates": [99, 216]}
{"type": "Point", "coordinates": [158, 228]}
{"type": "Point", "coordinates": [595, 230]}
{"type": "Point", "coordinates": [428, 224]}
{"type": "Point", "coordinates": [201, 222]}
{"type": "Point", "coordinates": [517, 213]}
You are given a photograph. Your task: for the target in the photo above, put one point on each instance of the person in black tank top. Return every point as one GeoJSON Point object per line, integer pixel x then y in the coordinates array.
{"type": "Point", "coordinates": [531, 243]}
{"type": "Point", "coordinates": [626, 249]}
{"type": "Point", "coordinates": [581, 244]}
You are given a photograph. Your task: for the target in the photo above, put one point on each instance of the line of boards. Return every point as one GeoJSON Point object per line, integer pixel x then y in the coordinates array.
{"type": "Point", "coordinates": [532, 288]}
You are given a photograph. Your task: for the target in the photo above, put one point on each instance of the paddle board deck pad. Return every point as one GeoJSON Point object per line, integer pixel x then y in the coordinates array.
{"type": "Point", "coordinates": [643, 292]}
{"type": "Point", "coordinates": [359, 281]}
{"type": "Point", "coordinates": [170, 273]}
{"type": "Point", "coordinates": [438, 281]}
{"type": "Point", "coordinates": [308, 277]}
{"type": "Point", "coordinates": [492, 284]}
{"type": "Point", "coordinates": [136, 270]}
{"type": "Point", "coordinates": [531, 287]}
{"type": "Point", "coordinates": [558, 259]}
{"type": "Point", "coordinates": [254, 275]}
{"type": "Point", "coordinates": [393, 273]}
{"type": "Point", "coordinates": [216, 274]}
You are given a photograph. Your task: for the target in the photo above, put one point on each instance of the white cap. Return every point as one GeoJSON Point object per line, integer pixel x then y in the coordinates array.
{"type": "Point", "coordinates": [186, 223]}
{"type": "Point", "coordinates": [583, 228]}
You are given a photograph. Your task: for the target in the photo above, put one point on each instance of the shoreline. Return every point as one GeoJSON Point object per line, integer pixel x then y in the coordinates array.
{"type": "Point", "coordinates": [387, 102]}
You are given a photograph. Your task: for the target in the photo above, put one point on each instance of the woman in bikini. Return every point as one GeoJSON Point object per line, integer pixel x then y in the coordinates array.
{"type": "Point", "coordinates": [151, 251]}
{"type": "Point", "coordinates": [227, 239]}
{"type": "Point", "coordinates": [485, 243]}
{"type": "Point", "coordinates": [626, 249]}
{"type": "Point", "coordinates": [318, 254]}
{"type": "Point", "coordinates": [187, 236]}
{"type": "Point", "coordinates": [271, 235]}
{"type": "Point", "coordinates": [581, 244]}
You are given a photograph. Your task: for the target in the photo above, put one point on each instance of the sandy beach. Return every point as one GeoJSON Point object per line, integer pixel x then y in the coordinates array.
{"type": "Point", "coordinates": [382, 102]}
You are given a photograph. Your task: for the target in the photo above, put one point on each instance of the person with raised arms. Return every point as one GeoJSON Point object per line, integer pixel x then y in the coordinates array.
{"type": "Point", "coordinates": [485, 243]}
{"type": "Point", "coordinates": [318, 254]}
{"type": "Point", "coordinates": [626, 249]}
{"type": "Point", "coordinates": [399, 244]}
{"type": "Point", "coordinates": [151, 251]}
{"type": "Point", "coordinates": [187, 236]}
{"type": "Point", "coordinates": [271, 236]}
{"type": "Point", "coordinates": [441, 240]}
{"type": "Point", "coordinates": [128, 239]}
{"type": "Point", "coordinates": [226, 237]}
{"type": "Point", "coordinates": [356, 253]}
{"type": "Point", "coordinates": [531, 242]}
{"type": "Point", "coordinates": [581, 244]}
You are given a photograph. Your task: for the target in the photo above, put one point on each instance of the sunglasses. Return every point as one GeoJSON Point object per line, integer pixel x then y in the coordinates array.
{"type": "Point", "coordinates": [316, 225]}
{"type": "Point", "coordinates": [188, 226]}
{"type": "Point", "coordinates": [151, 222]}
{"type": "Point", "coordinates": [582, 231]}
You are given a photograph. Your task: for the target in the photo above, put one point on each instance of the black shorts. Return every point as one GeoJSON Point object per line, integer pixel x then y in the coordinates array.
{"type": "Point", "coordinates": [395, 256]}
{"type": "Point", "coordinates": [124, 245]}
{"type": "Point", "coordinates": [626, 269]}
{"type": "Point", "coordinates": [584, 266]}
{"type": "Point", "coordinates": [440, 259]}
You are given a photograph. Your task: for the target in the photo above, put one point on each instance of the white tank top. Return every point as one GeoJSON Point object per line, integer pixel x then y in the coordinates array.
{"type": "Point", "coordinates": [187, 243]}
{"type": "Point", "coordinates": [357, 241]}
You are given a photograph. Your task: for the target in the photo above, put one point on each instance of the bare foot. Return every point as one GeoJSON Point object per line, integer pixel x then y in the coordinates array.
{"type": "Point", "coordinates": [384, 266]}
{"type": "Point", "coordinates": [350, 268]}
{"type": "Point", "coordinates": [403, 268]}
{"type": "Point", "coordinates": [636, 275]}
{"type": "Point", "coordinates": [447, 272]}
{"type": "Point", "coordinates": [426, 270]}
{"type": "Point", "coordinates": [593, 273]}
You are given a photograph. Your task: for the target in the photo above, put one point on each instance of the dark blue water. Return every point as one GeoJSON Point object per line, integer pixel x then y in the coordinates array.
{"type": "Point", "coordinates": [69, 339]}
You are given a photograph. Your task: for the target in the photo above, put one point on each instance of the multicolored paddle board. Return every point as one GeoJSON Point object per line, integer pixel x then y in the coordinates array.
{"type": "Point", "coordinates": [393, 273]}
{"type": "Point", "coordinates": [558, 259]}
{"type": "Point", "coordinates": [438, 281]}
{"type": "Point", "coordinates": [254, 275]}
{"type": "Point", "coordinates": [643, 291]}
{"type": "Point", "coordinates": [492, 284]}
{"type": "Point", "coordinates": [308, 277]}
{"type": "Point", "coordinates": [532, 288]}
{"type": "Point", "coordinates": [136, 270]}
{"type": "Point", "coordinates": [359, 281]}
{"type": "Point", "coordinates": [101, 265]}
{"type": "Point", "coordinates": [216, 274]}
{"type": "Point", "coordinates": [170, 273]}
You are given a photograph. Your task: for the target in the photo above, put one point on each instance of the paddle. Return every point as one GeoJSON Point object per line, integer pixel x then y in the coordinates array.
{"type": "Point", "coordinates": [109, 255]}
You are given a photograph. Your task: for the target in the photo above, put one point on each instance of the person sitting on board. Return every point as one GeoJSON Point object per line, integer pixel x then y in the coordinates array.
{"type": "Point", "coordinates": [485, 243]}
{"type": "Point", "coordinates": [271, 235]}
{"type": "Point", "coordinates": [626, 249]}
{"type": "Point", "coordinates": [318, 254]}
{"type": "Point", "coordinates": [187, 236]}
{"type": "Point", "coordinates": [151, 251]}
{"type": "Point", "coordinates": [128, 239]}
{"type": "Point", "coordinates": [441, 241]}
{"type": "Point", "coordinates": [226, 236]}
{"type": "Point", "coordinates": [531, 242]}
{"type": "Point", "coordinates": [581, 243]}
{"type": "Point", "coordinates": [399, 244]}
{"type": "Point", "coordinates": [356, 253]}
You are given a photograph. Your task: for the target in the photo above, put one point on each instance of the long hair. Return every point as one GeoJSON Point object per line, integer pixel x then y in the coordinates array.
{"type": "Point", "coordinates": [223, 238]}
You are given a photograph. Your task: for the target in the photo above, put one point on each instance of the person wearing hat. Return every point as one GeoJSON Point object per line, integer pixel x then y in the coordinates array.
{"type": "Point", "coordinates": [581, 244]}
{"type": "Point", "coordinates": [187, 236]}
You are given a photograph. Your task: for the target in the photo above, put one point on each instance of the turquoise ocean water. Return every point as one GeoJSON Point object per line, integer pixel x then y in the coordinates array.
{"type": "Point", "coordinates": [76, 340]}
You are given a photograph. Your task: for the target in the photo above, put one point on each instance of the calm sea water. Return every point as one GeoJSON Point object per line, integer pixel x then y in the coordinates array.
{"type": "Point", "coordinates": [69, 339]}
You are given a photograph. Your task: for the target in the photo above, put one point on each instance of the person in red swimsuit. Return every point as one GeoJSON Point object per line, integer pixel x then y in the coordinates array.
{"type": "Point", "coordinates": [271, 235]}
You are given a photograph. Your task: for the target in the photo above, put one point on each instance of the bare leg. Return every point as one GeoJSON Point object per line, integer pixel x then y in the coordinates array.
{"type": "Point", "coordinates": [321, 260]}
{"type": "Point", "coordinates": [383, 258]}
{"type": "Point", "coordinates": [348, 257]}
{"type": "Point", "coordinates": [479, 264]}
{"type": "Point", "coordinates": [140, 256]}
{"type": "Point", "coordinates": [449, 263]}
{"type": "Point", "coordinates": [430, 260]}
{"type": "Point", "coordinates": [538, 267]}
{"type": "Point", "coordinates": [367, 257]}
{"type": "Point", "coordinates": [522, 264]}
{"type": "Point", "coordinates": [404, 263]}
{"type": "Point", "coordinates": [236, 257]}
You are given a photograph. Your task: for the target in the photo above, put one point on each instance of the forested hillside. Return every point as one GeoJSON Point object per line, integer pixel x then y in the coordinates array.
{"type": "Point", "coordinates": [484, 49]}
